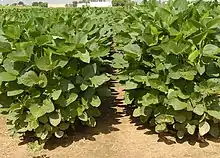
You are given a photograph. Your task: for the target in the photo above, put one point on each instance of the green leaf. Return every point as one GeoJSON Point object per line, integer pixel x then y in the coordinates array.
{"type": "Point", "coordinates": [85, 57]}
{"type": "Point", "coordinates": [66, 85]}
{"type": "Point", "coordinates": [95, 102]}
{"type": "Point", "coordinates": [149, 99]}
{"type": "Point", "coordinates": [93, 112]}
{"type": "Point", "coordinates": [44, 63]}
{"type": "Point", "coordinates": [55, 119]}
{"type": "Point", "coordinates": [9, 66]}
{"type": "Point", "coordinates": [191, 129]}
{"type": "Point", "coordinates": [210, 50]}
{"type": "Point", "coordinates": [5, 47]}
{"type": "Point", "coordinates": [36, 110]}
{"type": "Point", "coordinates": [163, 118]}
{"type": "Point", "coordinates": [43, 39]}
{"type": "Point", "coordinates": [29, 79]}
{"type": "Point", "coordinates": [89, 71]}
{"type": "Point", "coordinates": [21, 55]}
{"type": "Point", "coordinates": [15, 92]}
{"type": "Point", "coordinates": [99, 80]}
{"type": "Point", "coordinates": [180, 5]}
{"type": "Point", "coordinates": [13, 31]}
{"type": "Point", "coordinates": [133, 50]}
{"type": "Point", "coordinates": [137, 112]}
{"type": "Point", "coordinates": [83, 117]}
{"type": "Point", "coordinates": [5, 76]}
{"type": "Point", "coordinates": [48, 106]}
{"type": "Point", "coordinates": [161, 128]}
{"type": "Point", "coordinates": [64, 126]}
{"type": "Point", "coordinates": [130, 85]}
{"type": "Point", "coordinates": [204, 128]}
{"type": "Point", "coordinates": [56, 94]}
{"type": "Point", "coordinates": [177, 104]}
{"type": "Point", "coordinates": [67, 99]}
{"type": "Point", "coordinates": [32, 122]}
{"type": "Point", "coordinates": [213, 23]}
{"type": "Point", "coordinates": [59, 134]}
{"type": "Point", "coordinates": [42, 80]}
{"type": "Point", "coordinates": [180, 118]}
{"type": "Point", "coordinates": [199, 109]}
{"type": "Point", "coordinates": [180, 134]}
{"type": "Point", "coordinates": [100, 52]}
{"type": "Point", "coordinates": [193, 55]}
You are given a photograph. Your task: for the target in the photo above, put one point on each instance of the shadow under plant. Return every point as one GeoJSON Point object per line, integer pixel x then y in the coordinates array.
{"type": "Point", "coordinates": [105, 125]}
{"type": "Point", "coordinates": [171, 138]}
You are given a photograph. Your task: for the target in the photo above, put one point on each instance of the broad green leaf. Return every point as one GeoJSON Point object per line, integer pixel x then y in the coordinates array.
{"type": "Point", "coordinates": [85, 57]}
{"type": "Point", "coordinates": [137, 112]}
{"type": "Point", "coordinates": [149, 99]}
{"type": "Point", "coordinates": [133, 50]}
{"type": "Point", "coordinates": [161, 128]}
{"type": "Point", "coordinates": [32, 122]}
{"type": "Point", "coordinates": [55, 119]}
{"type": "Point", "coordinates": [15, 92]}
{"type": "Point", "coordinates": [177, 104]}
{"type": "Point", "coordinates": [13, 31]}
{"type": "Point", "coordinates": [5, 47]}
{"type": "Point", "coordinates": [95, 102]}
{"type": "Point", "coordinates": [180, 5]}
{"type": "Point", "coordinates": [130, 85]}
{"type": "Point", "coordinates": [22, 55]}
{"type": "Point", "coordinates": [66, 85]}
{"type": "Point", "coordinates": [100, 52]}
{"type": "Point", "coordinates": [210, 50]}
{"type": "Point", "coordinates": [36, 110]}
{"type": "Point", "coordinates": [199, 109]}
{"type": "Point", "coordinates": [191, 129]}
{"type": "Point", "coordinates": [89, 71]}
{"type": "Point", "coordinates": [204, 128]}
{"type": "Point", "coordinates": [99, 80]}
{"type": "Point", "coordinates": [48, 106]}
{"type": "Point", "coordinates": [5, 76]}
{"type": "Point", "coordinates": [56, 94]}
{"type": "Point", "coordinates": [29, 79]}
{"type": "Point", "coordinates": [163, 118]}
{"type": "Point", "coordinates": [44, 63]}
{"type": "Point", "coordinates": [9, 66]}
{"type": "Point", "coordinates": [42, 80]}
{"type": "Point", "coordinates": [43, 39]}
{"type": "Point", "coordinates": [66, 100]}
{"type": "Point", "coordinates": [193, 55]}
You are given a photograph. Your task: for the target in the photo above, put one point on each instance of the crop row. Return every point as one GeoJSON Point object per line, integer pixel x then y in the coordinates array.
{"type": "Point", "coordinates": [53, 66]}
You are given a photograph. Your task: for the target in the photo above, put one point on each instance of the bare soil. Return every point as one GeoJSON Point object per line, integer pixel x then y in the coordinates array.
{"type": "Point", "coordinates": [116, 136]}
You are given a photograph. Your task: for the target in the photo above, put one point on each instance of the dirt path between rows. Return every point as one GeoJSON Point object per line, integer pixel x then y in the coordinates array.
{"type": "Point", "coordinates": [116, 136]}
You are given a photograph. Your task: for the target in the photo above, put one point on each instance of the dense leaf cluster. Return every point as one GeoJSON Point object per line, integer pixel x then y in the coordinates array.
{"type": "Point", "coordinates": [170, 65]}
{"type": "Point", "coordinates": [52, 72]}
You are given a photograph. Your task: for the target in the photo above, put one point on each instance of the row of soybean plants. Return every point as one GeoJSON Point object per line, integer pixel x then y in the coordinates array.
{"type": "Point", "coordinates": [52, 69]}
{"type": "Point", "coordinates": [170, 65]}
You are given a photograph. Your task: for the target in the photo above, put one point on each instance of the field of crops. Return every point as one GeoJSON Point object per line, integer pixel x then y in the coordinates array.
{"type": "Point", "coordinates": [56, 67]}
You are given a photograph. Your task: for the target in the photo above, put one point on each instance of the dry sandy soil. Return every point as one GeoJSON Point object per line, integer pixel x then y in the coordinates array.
{"type": "Point", "coordinates": [116, 136]}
